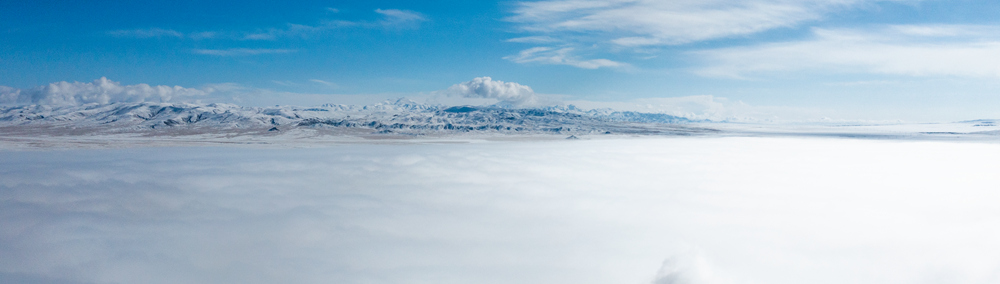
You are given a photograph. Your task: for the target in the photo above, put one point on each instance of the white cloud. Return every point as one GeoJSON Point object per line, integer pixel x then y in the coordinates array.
{"type": "Point", "coordinates": [9, 95]}
{"type": "Point", "coordinates": [485, 87]}
{"type": "Point", "coordinates": [689, 267]}
{"type": "Point", "coordinates": [652, 22]}
{"type": "Point", "coordinates": [606, 210]}
{"type": "Point", "coordinates": [560, 56]}
{"type": "Point", "coordinates": [242, 51]}
{"type": "Point", "coordinates": [917, 50]}
{"type": "Point", "coordinates": [324, 83]}
{"type": "Point", "coordinates": [297, 30]}
{"type": "Point", "coordinates": [642, 24]}
{"type": "Point", "coordinates": [285, 83]}
{"type": "Point", "coordinates": [390, 18]}
{"type": "Point", "coordinates": [203, 35]}
{"type": "Point", "coordinates": [147, 33]}
{"type": "Point", "coordinates": [533, 39]}
{"type": "Point", "coordinates": [101, 91]}
{"type": "Point", "coordinates": [396, 17]}
{"type": "Point", "coordinates": [104, 91]}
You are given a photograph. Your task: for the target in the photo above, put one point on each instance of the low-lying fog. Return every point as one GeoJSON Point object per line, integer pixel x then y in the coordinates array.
{"type": "Point", "coordinates": [644, 210]}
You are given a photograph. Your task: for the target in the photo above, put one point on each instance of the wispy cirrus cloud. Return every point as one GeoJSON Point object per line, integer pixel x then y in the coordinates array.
{"type": "Point", "coordinates": [561, 56]}
{"type": "Point", "coordinates": [534, 39]}
{"type": "Point", "coordinates": [397, 18]}
{"type": "Point", "coordinates": [906, 50]}
{"type": "Point", "coordinates": [650, 22]}
{"type": "Point", "coordinates": [324, 83]}
{"type": "Point", "coordinates": [636, 24]}
{"type": "Point", "coordinates": [241, 51]}
{"type": "Point", "coordinates": [389, 18]}
{"type": "Point", "coordinates": [386, 18]}
{"type": "Point", "coordinates": [146, 33]}
{"type": "Point", "coordinates": [296, 30]}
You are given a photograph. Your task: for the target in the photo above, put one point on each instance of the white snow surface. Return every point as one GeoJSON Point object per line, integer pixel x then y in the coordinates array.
{"type": "Point", "coordinates": [394, 119]}
{"type": "Point", "coordinates": [151, 123]}
{"type": "Point", "coordinates": [661, 210]}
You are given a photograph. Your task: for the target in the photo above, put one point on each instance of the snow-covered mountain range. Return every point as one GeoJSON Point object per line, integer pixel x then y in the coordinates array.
{"type": "Point", "coordinates": [160, 123]}
{"type": "Point", "coordinates": [391, 117]}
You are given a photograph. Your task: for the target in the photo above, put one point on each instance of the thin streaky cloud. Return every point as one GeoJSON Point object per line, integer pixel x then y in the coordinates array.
{"type": "Point", "coordinates": [147, 33]}
{"type": "Point", "coordinates": [897, 50]}
{"type": "Point", "coordinates": [390, 18]}
{"type": "Point", "coordinates": [284, 83]}
{"type": "Point", "coordinates": [648, 22]}
{"type": "Point", "coordinates": [638, 25]}
{"type": "Point", "coordinates": [533, 39]}
{"type": "Point", "coordinates": [561, 56]}
{"type": "Point", "coordinates": [297, 30]}
{"type": "Point", "coordinates": [242, 51]}
{"type": "Point", "coordinates": [396, 17]}
{"type": "Point", "coordinates": [203, 35]}
{"type": "Point", "coordinates": [324, 83]}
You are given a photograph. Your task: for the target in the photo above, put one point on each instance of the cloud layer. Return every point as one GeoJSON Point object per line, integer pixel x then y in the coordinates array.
{"type": "Point", "coordinates": [665, 211]}
{"type": "Point", "coordinates": [101, 91]}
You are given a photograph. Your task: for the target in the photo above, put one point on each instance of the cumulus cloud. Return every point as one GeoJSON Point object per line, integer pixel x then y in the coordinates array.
{"type": "Point", "coordinates": [561, 56]}
{"type": "Point", "coordinates": [908, 50]}
{"type": "Point", "coordinates": [485, 87]}
{"type": "Point", "coordinates": [101, 91]}
{"type": "Point", "coordinates": [9, 95]}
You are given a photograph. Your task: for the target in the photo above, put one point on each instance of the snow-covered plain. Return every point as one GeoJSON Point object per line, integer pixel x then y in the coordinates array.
{"type": "Point", "coordinates": [652, 209]}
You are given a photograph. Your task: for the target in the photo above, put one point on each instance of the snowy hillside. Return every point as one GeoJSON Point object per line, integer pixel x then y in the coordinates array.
{"type": "Point", "coordinates": [392, 117]}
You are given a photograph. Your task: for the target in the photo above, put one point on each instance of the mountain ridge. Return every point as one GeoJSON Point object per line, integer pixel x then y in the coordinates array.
{"type": "Point", "coordinates": [399, 116]}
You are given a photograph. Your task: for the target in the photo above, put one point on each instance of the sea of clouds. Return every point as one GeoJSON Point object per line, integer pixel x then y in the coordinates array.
{"type": "Point", "coordinates": [648, 210]}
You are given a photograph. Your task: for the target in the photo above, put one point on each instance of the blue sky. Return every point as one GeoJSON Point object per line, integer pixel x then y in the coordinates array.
{"type": "Point", "coordinates": [907, 59]}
